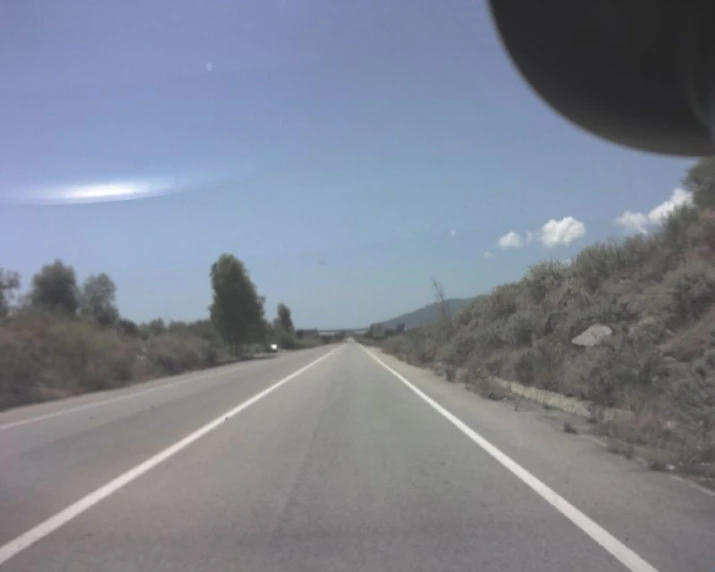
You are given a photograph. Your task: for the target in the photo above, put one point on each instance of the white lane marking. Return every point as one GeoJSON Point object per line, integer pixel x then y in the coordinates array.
{"type": "Point", "coordinates": [17, 545]}
{"type": "Point", "coordinates": [605, 539]}
{"type": "Point", "coordinates": [44, 417]}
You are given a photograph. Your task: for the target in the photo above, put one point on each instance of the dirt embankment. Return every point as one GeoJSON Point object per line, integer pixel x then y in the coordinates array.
{"type": "Point", "coordinates": [652, 299]}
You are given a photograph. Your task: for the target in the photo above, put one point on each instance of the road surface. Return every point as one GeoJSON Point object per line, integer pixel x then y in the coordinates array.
{"type": "Point", "coordinates": [338, 458]}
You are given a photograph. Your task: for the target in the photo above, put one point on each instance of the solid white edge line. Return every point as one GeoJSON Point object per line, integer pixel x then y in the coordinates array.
{"type": "Point", "coordinates": [17, 545]}
{"type": "Point", "coordinates": [601, 536]}
{"type": "Point", "coordinates": [109, 400]}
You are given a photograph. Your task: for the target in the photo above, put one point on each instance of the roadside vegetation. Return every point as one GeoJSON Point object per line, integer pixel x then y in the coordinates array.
{"type": "Point", "coordinates": [61, 338]}
{"type": "Point", "coordinates": [647, 305]}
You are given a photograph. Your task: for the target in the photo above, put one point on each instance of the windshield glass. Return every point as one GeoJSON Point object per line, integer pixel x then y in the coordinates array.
{"type": "Point", "coordinates": [274, 199]}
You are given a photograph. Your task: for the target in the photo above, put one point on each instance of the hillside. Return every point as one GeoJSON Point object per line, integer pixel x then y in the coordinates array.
{"type": "Point", "coordinates": [656, 296]}
{"type": "Point", "coordinates": [426, 314]}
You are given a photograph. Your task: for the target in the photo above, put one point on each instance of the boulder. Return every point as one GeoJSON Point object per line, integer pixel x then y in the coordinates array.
{"type": "Point", "coordinates": [592, 336]}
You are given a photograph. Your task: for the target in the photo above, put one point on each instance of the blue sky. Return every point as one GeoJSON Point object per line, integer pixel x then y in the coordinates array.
{"type": "Point", "coordinates": [348, 152]}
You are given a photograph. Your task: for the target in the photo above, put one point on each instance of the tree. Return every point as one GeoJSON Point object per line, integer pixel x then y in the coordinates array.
{"type": "Point", "coordinates": [700, 180]}
{"type": "Point", "coordinates": [55, 287]}
{"type": "Point", "coordinates": [284, 318]}
{"type": "Point", "coordinates": [98, 299]}
{"type": "Point", "coordinates": [128, 328]}
{"type": "Point", "coordinates": [9, 285]}
{"type": "Point", "coordinates": [236, 310]}
{"type": "Point", "coordinates": [441, 300]}
{"type": "Point", "coordinates": [178, 327]}
{"type": "Point", "coordinates": [156, 327]}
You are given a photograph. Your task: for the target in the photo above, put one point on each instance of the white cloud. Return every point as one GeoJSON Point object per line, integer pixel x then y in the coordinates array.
{"type": "Point", "coordinates": [562, 232]}
{"type": "Point", "coordinates": [679, 198]}
{"type": "Point", "coordinates": [453, 233]}
{"type": "Point", "coordinates": [530, 236]}
{"type": "Point", "coordinates": [639, 222]}
{"type": "Point", "coordinates": [98, 192]}
{"type": "Point", "coordinates": [633, 222]}
{"type": "Point", "coordinates": [511, 240]}
{"type": "Point", "coordinates": [488, 254]}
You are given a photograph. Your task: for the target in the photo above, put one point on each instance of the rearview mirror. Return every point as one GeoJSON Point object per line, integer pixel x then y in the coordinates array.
{"type": "Point", "coordinates": [640, 73]}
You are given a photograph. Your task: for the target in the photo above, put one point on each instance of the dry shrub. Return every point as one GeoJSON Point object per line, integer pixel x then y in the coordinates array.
{"type": "Point", "coordinates": [46, 356]}
{"type": "Point", "coordinates": [172, 354]}
{"type": "Point", "coordinates": [692, 342]}
{"type": "Point", "coordinates": [545, 277]}
{"type": "Point", "coordinates": [702, 236]}
{"type": "Point", "coordinates": [537, 365]}
{"type": "Point", "coordinates": [482, 381]}
{"type": "Point", "coordinates": [520, 327]}
{"type": "Point", "coordinates": [503, 301]}
{"type": "Point", "coordinates": [691, 446]}
{"type": "Point", "coordinates": [687, 292]}
{"type": "Point", "coordinates": [489, 337]}
{"type": "Point", "coordinates": [598, 263]}
{"type": "Point", "coordinates": [446, 353]}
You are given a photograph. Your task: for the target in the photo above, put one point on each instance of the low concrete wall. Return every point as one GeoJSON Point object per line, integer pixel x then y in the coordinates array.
{"type": "Point", "coordinates": [557, 400]}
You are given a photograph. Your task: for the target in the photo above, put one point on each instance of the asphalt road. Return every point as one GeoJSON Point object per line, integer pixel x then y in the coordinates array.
{"type": "Point", "coordinates": [328, 459]}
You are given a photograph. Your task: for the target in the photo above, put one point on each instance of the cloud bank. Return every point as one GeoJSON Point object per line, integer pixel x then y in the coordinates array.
{"type": "Point", "coordinates": [637, 222]}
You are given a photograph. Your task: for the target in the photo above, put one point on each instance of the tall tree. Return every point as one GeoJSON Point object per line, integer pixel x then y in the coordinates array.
{"type": "Point", "coordinates": [99, 299]}
{"type": "Point", "coordinates": [55, 287]}
{"type": "Point", "coordinates": [236, 310]}
{"type": "Point", "coordinates": [284, 318]}
{"type": "Point", "coordinates": [9, 285]}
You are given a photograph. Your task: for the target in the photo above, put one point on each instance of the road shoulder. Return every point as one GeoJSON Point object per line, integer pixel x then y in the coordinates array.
{"type": "Point", "coordinates": [666, 520]}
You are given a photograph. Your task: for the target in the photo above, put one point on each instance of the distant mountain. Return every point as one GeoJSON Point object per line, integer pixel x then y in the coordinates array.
{"type": "Point", "coordinates": [426, 314]}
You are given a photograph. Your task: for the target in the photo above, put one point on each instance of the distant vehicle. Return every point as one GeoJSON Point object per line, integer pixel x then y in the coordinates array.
{"type": "Point", "coordinates": [273, 348]}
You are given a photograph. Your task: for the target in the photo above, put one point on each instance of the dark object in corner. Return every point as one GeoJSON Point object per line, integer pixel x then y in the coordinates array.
{"type": "Point", "coordinates": [640, 73]}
